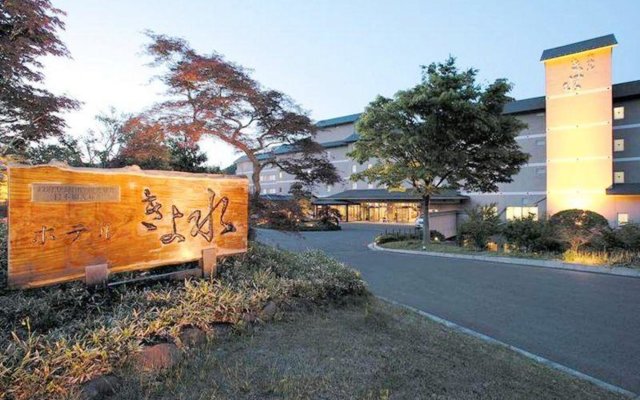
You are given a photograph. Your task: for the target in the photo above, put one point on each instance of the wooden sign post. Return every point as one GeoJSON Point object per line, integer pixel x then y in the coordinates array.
{"type": "Point", "coordinates": [82, 223]}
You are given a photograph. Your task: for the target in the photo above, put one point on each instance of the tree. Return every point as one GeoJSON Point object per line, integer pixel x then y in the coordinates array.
{"type": "Point", "coordinates": [447, 131]}
{"type": "Point", "coordinates": [28, 112]}
{"type": "Point", "coordinates": [143, 144]}
{"type": "Point", "coordinates": [578, 227]}
{"type": "Point", "coordinates": [209, 96]}
{"type": "Point", "coordinates": [66, 149]}
{"type": "Point", "coordinates": [186, 155]}
{"type": "Point", "coordinates": [103, 146]}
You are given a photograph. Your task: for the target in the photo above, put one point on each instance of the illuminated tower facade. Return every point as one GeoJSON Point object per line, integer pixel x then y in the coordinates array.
{"type": "Point", "coordinates": [579, 131]}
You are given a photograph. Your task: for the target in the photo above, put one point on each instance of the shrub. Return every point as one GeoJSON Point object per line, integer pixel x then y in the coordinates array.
{"type": "Point", "coordinates": [481, 224]}
{"type": "Point", "coordinates": [626, 237]}
{"type": "Point", "coordinates": [578, 227]}
{"type": "Point", "coordinates": [529, 235]}
{"type": "Point", "coordinates": [402, 236]}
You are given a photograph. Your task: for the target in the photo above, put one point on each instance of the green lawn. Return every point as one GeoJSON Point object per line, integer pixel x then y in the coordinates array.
{"type": "Point", "coordinates": [369, 350]}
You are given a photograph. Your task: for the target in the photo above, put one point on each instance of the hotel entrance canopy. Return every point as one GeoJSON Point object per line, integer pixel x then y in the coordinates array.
{"type": "Point", "coordinates": [356, 196]}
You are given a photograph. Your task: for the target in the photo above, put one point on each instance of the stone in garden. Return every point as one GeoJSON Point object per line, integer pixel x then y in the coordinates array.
{"type": "Point", "coordinates": [250, 316]}
{"type": "Point", "coordinates": [221, 330]}
{"type": "Point", "coordinates": [193, 337]}
{"type": "Point", "coordinates": [268, 311]}
{"type": "Point", "coordinates": [157, 357]}
{"type": "Point", "coordinates": [99, 387]}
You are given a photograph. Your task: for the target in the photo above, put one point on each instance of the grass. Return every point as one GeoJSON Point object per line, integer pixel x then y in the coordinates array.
{"type": "Point", "coordinates": [54, 339]}
{"type": "Point", "coordinates": [367, 350]}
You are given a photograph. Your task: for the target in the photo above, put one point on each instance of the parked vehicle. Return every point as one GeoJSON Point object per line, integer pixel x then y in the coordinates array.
{"type": "Point", "coordinates": [419, 223]}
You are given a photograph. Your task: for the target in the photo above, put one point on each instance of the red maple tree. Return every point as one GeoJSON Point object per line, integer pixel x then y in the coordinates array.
{"type": "Point", "coordinates": [210, 96]}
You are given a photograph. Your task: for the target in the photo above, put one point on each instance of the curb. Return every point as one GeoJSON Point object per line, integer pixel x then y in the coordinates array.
{"type": "Point", "coordinates": [618, 271]}
{"type": "Point", "coordinates": [537, 358]}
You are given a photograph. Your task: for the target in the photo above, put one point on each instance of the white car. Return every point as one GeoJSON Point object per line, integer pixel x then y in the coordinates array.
{"type": "Point", "coordinates": [419, 222]}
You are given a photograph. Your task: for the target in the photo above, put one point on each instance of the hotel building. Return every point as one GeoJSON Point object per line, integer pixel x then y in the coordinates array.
{"type": "Point", "coordinates": [583, 138]}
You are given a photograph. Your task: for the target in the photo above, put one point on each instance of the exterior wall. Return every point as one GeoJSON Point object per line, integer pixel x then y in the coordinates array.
{"type": "Point", "coordinates": [334, 133]}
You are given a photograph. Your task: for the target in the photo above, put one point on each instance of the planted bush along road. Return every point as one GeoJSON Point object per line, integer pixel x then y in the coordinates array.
{"type": "Point", "coordinates": [588, 322]}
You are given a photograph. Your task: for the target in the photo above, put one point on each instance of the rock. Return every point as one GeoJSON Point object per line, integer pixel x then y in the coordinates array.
{"type": "Point", "coordinates": [268, 311]}
{"type": "Point", "coordinates": [250, 316]}
{"type": "Point", "coordinates": [157, 357]}
{"type": "Point", "coordinates": [100, 387]}
{"type": "Point", "coordinates": [222, 330]}
{"type": "Point", "coordinates": [193, 337]}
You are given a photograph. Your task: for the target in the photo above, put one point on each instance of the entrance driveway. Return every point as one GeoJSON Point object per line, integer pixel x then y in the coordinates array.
{"type": "Point", "coordinates": [588, 322]}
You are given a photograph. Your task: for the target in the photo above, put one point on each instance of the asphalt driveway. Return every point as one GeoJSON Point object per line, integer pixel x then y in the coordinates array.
{"type": "Point", "coordinates": [588, 322]}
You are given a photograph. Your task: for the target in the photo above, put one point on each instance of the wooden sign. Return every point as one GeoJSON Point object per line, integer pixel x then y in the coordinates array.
{"type": "Point", "coordinates": [80, 223]}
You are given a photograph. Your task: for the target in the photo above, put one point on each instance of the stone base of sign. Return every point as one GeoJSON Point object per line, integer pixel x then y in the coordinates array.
{"type": "Point", "coordinates": [209, 263]}
{"type": "Point", "coordinates": [96, 275]}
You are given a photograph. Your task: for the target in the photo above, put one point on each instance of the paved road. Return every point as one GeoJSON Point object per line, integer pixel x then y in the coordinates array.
{"type": "Point", "coordinates": [589, 322]}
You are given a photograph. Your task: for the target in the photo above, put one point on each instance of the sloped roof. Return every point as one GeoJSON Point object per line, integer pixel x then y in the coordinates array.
{"type": "Point", "coordinates": [346, 119]}
{"type": "Point", "coordinates": [579, 47]}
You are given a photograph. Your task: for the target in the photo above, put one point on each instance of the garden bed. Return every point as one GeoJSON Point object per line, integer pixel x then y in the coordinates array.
{"type": "Point", "coordinates": [595, 259]}
{"type": "Point", "coordinates": [54, 339]}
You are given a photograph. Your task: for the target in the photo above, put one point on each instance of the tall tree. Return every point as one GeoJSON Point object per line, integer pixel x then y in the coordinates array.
{"type": "Point", "coordinates": [207, 95]}
{"type": "Point", "coordinates": [102, 146]}
{"type": "Point", "coordinates": [448, 131]}
{"type": "Point", "coordinates": [28, 112]}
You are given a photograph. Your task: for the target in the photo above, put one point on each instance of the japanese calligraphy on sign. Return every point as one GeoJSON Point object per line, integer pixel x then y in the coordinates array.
{"type": "Point", "coordinates": [64, 219]}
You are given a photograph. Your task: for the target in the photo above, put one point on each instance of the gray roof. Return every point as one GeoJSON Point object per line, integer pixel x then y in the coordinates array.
{"type": "Point", "coordinates": [525, 105]}
{"type": "Point", "coordinates": [621, 91]}
{"type": "Point", "coordinates": [579, 47]}
{"type": "Point", "coordinates": [385, 195]}
{"type": "Point", "coordinates": [624, 189]}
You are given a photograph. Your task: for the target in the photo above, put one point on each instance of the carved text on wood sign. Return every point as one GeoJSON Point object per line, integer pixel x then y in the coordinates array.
{"type": "Point", "coordinates": [62, 219]}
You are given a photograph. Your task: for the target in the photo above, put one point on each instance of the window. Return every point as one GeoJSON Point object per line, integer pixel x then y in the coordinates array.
{"type": "Point", "coordinates": [328, 188]}
{"type": "Point", "coordinates": [264, 191]}
{"type": "Point", "coordinates": [618, 145]}
{"type": "Point", "coordinates": [540, 142]}
{"type": "Point", "coordinates": [280, 174]}
{"type": "Point", "coordinates": [618, 113]}
{"type": "Point", "coordinates": [272, 191]}
{"type": "Point", "coordinates": [279, 190]}
{"type": "Point", "coordinates": [354, 168]}
{"type": "Point", "coordinates": [618, 177]}
{"type": "Point", "coordinates": [521, 212]}
{"type": "Point", "coordinates": [354, 185]}
{"type": "Point", "coordinates": [623, 219]}
{"type": "Point", "coordinates": [370, 186]}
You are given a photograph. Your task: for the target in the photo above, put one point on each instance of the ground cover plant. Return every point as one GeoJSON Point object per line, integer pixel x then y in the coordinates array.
{"type": "Point", "coordinates": [54, 339]}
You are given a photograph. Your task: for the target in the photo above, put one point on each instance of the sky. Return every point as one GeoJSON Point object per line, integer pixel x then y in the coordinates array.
{"type": "Point", "coordinates": [332, 57]}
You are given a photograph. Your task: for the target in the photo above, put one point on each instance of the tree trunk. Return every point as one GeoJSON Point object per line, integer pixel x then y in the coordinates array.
{"type": "Point", "coordinates": [426, 231]}
{"type": "Point", "coordinates": [255, 178]}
